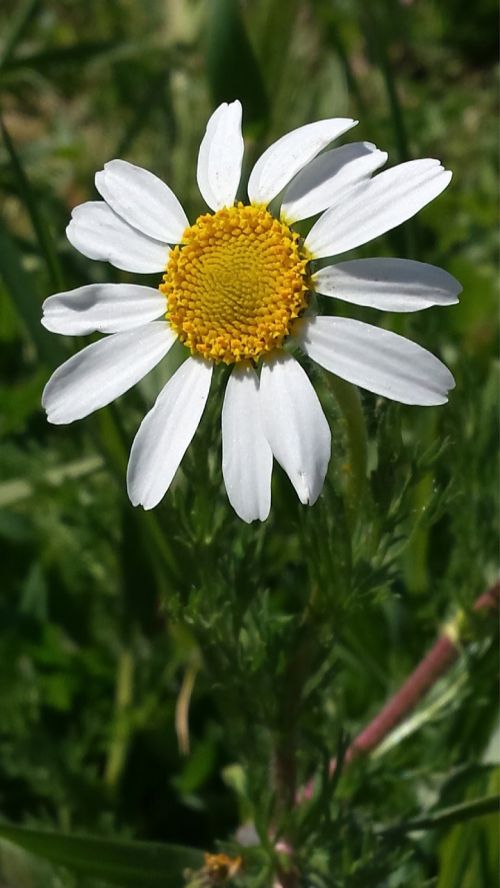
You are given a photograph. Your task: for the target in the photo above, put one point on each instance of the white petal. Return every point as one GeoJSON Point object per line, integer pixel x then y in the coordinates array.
{"type": "Point", "coordinates": [377, 360]}
{"type": "Point", "coordinates": [247, 460]}
{"type": "Point", "coordinates": [321, 183]}
{"type": "Point", "coordinates": [102, 308]}
{"type": "Point", "coordinates": [295, 425]}
{"type": "Point", "coordinates": [374, 207]}
{"type": "Point", "coordinates": [220, 157]}
{"type": "Point", "coordinates": [388, 284]}
{"type": "Point", "coordinates": [166, 432]}
{"type": "Point", "coordinates": [142, 200]}
{"type": "Point", "coordinates": [284, 158]}
{"type": "Point", "coordinates": [103, 371]}
{"type": "Point", "coordinates": [97, 232]}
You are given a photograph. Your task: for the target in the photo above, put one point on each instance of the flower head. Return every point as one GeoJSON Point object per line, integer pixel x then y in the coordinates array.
{"type": "Point", "coordinates": [236, 286]}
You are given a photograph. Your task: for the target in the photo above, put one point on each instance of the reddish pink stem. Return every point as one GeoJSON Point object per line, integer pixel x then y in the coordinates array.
{"type": "Point", "coordinates": [439, 659]}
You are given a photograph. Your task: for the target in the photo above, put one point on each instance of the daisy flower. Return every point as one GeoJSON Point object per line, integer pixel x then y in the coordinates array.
{"type": "Point", "coordinates": [236, 288]}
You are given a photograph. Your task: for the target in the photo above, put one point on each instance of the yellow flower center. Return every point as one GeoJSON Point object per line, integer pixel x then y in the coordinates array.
{"type": "Point", "coordinates": [236, 284]}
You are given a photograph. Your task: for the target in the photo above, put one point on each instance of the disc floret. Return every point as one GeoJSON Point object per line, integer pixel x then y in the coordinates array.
{"type": "Point", "coordinates": [235, 284]}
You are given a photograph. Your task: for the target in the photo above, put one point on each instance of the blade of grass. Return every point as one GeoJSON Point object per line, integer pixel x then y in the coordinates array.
{"type": "Point", "coordinates": [376, 33]}
{"type": "Point", "coordinates": [276, 32]}
{"type": "Point", "coordinates": [63, 55]}
{"type": "Point", "coordinates": [446, 816]}
{"type": "Point", "coordinates": [378, 41]}
{"type": "Point", "coordinates": [328, 16]}
{"type": "Point", "coordinates": [22, 289]}
{"type": "Point", "coordinates": [144, 108]}
{"type": "Point", "coordinates": [121, 862]}
{"type": "Point", "coordinates": [40, 227]}
{"type": "Point", "coordinates": [232, 68]}
{"type": "Point", "coordinates": [18, 25]}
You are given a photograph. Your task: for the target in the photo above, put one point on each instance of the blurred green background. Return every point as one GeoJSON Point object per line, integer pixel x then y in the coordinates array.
{"type": "Point", "coordinates": [106, 613]}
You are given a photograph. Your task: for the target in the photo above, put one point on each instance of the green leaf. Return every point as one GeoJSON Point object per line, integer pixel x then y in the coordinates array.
{"type": "Point", "coordinates": [233, 70]}
{"type": "Point", "coordinates": [117, 861]}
